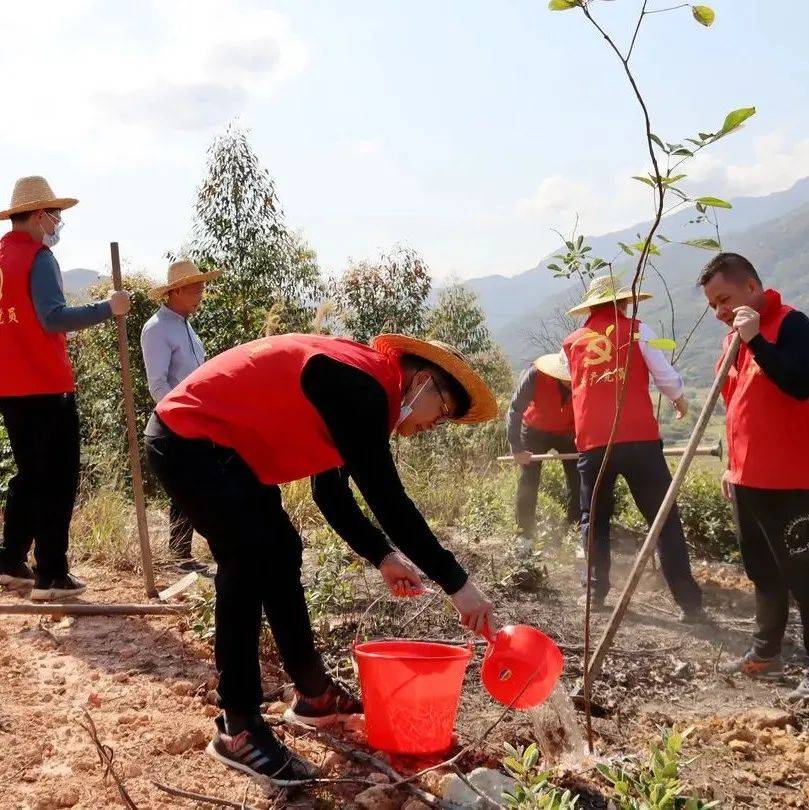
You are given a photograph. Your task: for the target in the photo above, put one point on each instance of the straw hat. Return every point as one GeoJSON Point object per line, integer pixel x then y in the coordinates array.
{"type": "Point", "coordinates": [181, 274]}
{"type": "Point", "coordinates": [483, 405]}
{"type": "Point", "coordinates": [604, 290]}
{"type": "Point", "coordinates": [33, 194]}
{"type": "Point", "coordinates": [554, 365]}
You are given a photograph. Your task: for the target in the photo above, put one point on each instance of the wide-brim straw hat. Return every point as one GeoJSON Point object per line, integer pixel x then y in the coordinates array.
{"type": "Point", "coordinates": [33, 194]}
{"type": "Point", "coordinates": [482, 403]}
{"type": "Point", "coordinates": [554, 365]}
{"type": "Point", "coordinates": [605, 290]}
{"type": "Point", "coordinates": [181, 274]}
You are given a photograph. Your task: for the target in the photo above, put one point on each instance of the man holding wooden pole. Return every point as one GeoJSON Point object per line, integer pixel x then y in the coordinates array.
{"type": "Point", "coordinates": [767, 399]}
{"type": "Point", "coordinates": [37, 392]}
{"type": "Point", "coordinates": [540, 418]}
{"type": "Point", "coordinates": [597, 355]}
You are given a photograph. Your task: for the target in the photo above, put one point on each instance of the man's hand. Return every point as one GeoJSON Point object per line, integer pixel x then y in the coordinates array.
{"type": "Point", "coordinates": [120, 302]}
{"type": "Point", "coordinates": [475, 609]}
{"type": "Point", "coordinates": [400, 575]}
{"type": "Point", "coordinates": [522, 457]}
{"type": "Point", "coordinates": [727, 486]}
{"type": "Point", "coordinates": [681, 406]}
{"type": "Point", "coordinates": [747, 323]}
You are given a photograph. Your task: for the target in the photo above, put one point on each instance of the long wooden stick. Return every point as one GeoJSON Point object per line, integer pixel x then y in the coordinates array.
{"type": "Point", "coordinates": [132, 433]}
{"type": "Point", "coordinates": [83, 609]}
{"type": "Point", "coordinates": [707, 450]}
{"type": "Point", "coordinates": [650, 543]}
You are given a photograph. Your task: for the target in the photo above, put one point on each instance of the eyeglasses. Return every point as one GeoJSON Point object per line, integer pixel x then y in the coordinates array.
{"type": "Point", "coordinates": [446, 413]}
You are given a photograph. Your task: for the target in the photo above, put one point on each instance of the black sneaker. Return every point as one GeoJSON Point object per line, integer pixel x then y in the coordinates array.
{"type": "Point", "coordinates": [598, 603]}
{"type": "Point", "coordinates": [18, 575]}
{"type": "Point", "coordinates": [335, 704]}
{"type": "Point", "coordinates": [190, 566]}
{"type": "Point", "coordinates": [258, 752]}
{"type": "Point", "coordinates": [46, 590]}
{"type": "Point", "coordinates": [754, 666]}
{"type": "Point", "coordinates": [697, 615]}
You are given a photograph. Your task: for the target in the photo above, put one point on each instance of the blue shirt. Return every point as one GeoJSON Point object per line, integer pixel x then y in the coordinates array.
{"type": "Point", "coordinates": [171, 351]}
{"type": "Point", "coordinates": [47, 294]}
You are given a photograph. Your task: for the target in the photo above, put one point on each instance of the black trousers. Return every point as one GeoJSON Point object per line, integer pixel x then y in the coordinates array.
{"type": "Point", "coordinates": [43, 431]}
{"type": "Point", "coordinates": [258, 554]}
{"type": "Point", "coordinates": [537, 441]}
{"type": "Point", "coordinates": [181, 532]}
{"type": "Point", "coordinates": [645, 471]}
{"type": "Point", "coordinates": [773, 531]}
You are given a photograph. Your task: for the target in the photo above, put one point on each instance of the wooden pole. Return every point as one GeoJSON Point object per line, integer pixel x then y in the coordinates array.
{"type": "Point", "coordinates": [715, 450]}
{"type": "Point", "coordinates": [132, 433]}
{"type": "Point", "coordinates": [649, 544]}
{"type": "Point", "coordinates": [82, 609]}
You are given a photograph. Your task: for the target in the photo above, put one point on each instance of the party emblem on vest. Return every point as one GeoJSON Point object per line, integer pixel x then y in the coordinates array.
{"type": "Point", "coordinates": [796, 535]}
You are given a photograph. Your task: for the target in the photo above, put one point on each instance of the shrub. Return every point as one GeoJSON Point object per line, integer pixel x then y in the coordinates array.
{"type": "Point", "coordinates": [533, 791]}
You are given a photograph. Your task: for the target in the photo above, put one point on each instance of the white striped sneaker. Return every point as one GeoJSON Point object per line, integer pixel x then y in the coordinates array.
{"type": "Point", "coordinates": [258, 752]}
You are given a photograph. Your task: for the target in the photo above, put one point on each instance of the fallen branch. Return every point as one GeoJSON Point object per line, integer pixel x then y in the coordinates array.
{"type": "Point", "coordinates": [84, 609]}
{"type": "Point", "coordinates": [201, 797]}
{"type": "Point", "coordinates": [105, 756]}
{"type": "Point", "coordinates": [359, 755]}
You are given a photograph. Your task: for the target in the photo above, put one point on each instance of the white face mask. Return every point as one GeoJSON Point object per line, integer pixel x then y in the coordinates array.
{"type": "Point", "coordinates": [406, 410]}
{"type": "Point", "coordinates": [50, 239]}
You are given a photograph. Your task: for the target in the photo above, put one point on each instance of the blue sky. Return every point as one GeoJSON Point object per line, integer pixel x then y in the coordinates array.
{"type": "Point", "coordinates": [466, 129]}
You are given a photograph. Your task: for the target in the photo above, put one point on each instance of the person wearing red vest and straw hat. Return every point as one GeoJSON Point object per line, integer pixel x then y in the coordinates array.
{"type": "Point", "coordinates": [540, 418]}
{"type": "Point", "coordinates": [767, 422]}
{"type": "Point", "coordinates": [289, 407]}
{"type": "Point", "coordinates": [597, 354]}
{"type": "Point", "coordinates": [36, 392]}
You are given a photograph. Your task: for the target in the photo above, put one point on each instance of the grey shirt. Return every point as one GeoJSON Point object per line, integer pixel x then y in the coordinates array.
{"type": "Point", "coordinates": [171, 351]}
{"type": "Point", "coordinates": [47, 294]}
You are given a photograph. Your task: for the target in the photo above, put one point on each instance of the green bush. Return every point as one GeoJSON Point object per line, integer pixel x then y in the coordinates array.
{"type": "Point", "coordinates": [7, 466]}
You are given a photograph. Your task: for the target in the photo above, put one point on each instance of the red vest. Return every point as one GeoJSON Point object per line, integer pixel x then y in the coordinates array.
{"type": "Point", "coordinates": [547, 412]}
{"type": "Point", "coordinates": [32, 361]}
{"type": "Point", "coordinates": [597, 356]}
{"type": "Point", "coordinates": [767, 430]}
{"type": "Point", "coordinates": [250, 399]}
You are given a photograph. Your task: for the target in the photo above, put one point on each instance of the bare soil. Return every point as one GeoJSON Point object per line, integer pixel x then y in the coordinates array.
{"type": "Point", "coordinates": [148, 685]}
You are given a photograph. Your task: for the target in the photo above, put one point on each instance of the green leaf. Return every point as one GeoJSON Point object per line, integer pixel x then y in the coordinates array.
{"type": "Point", "coordinates": [562, 5]}
{"type": "Point", "coordinates": [735, 119]}
{"type": "Point", "coordinates": [668, 180]}
{"type": "Point", "coordinates": [705, 135]}
{"type": "Point", "coordinates": [703, 15]}
{"type": "Point", "coordinates": [684, 152]}
{"type": "Point", "coordinates": [702, 209]}
{"type": "Point", "coordinates": [695, 141]}
{"type": "Point", "coordinates": [644, 180]}
{"type": "Point", "coordinates": [626, 249]}
{"type": "Point", "coordinates": [705, 244]}
{"type": "Point", "coordinates": [713, 202]}
{"type": "Point", "coordinates": [663, 238]}
{"type": "Point", "coordinates": [658, 142]}
{"type": "Point", "coordinates": [664, 344]}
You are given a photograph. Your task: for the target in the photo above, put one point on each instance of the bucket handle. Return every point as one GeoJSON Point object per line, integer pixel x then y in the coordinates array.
{"type": "Point", "coordinates": [423, 592]}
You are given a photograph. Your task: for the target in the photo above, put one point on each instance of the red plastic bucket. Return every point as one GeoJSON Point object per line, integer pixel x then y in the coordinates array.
{"type": "Point", "coordinates": [410, 693]}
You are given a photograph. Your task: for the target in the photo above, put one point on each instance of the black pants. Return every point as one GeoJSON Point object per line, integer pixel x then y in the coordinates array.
{"type": "Point", "coordinates": [537, 441]}
{"type": "Point", "coordinates": [773, 531]}
{"type": "Point", "coordinates": [645, 471]}
{"type": "Point", "coordinates": [44, 435]}
{"type": "Point", "coordinates": [258, 554]}
{"type": "Point", "coordinates": [181, 532]}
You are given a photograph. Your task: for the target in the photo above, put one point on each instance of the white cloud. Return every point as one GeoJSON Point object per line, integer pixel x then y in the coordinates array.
{"type": "Point", "coordinates": [775, 164]}
{"type": "Point", "coordinates": [363, 147]}
{"type": "Point", "coordinates": [116, 81]}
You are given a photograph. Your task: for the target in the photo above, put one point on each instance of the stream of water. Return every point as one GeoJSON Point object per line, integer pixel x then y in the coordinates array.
{"type": "Point", "coordinates": [557, 732]}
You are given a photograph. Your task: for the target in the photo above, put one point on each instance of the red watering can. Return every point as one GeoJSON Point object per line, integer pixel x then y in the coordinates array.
{"type": "Point", "coordinates": [521, 666]}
